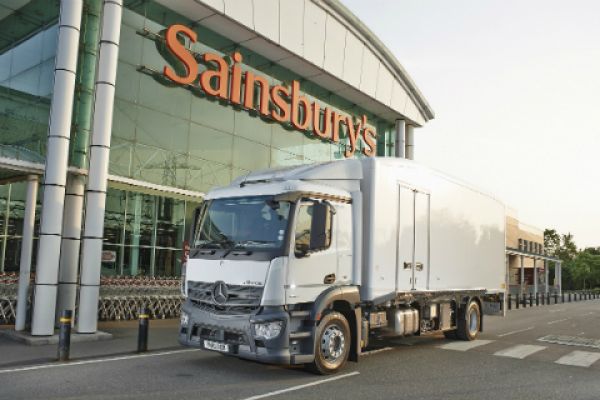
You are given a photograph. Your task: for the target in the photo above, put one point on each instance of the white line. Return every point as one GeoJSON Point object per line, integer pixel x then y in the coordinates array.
{"type": "Point", "coordinates": [368, 353]}
{"type": "Point", "coordinates": [464, 346]}
{"type": "Point", "coordinates": [519, 331]}
{"type": "Point", "coordinates": [293, 388]}
{"type": "Point", "coordinates": [579, 358]}
{"type": "Point", "coordinates": [558, 320]}
{"type": "Point", "coordinates": [520, 351]}
{"type": "Point", "coordinates": [94, 361]}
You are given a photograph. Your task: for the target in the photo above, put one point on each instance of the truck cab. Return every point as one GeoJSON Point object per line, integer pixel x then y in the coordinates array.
{"type": "Point", "coordinates": [262, 253]}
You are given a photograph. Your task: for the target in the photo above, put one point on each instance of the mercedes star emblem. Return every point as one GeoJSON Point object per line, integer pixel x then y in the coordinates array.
{"type": "Point", "coordinates": [220, 293]}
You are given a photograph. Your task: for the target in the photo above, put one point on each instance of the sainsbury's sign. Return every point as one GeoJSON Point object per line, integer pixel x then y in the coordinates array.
{"type": "Point", "coordinates": [284, 104]}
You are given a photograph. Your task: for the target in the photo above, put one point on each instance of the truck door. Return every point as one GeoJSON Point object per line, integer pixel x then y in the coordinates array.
{"type": "Point", "coordinates": [313, 263]}
{"type": "Point", "coordinates": [421, 264]}
{"type": "Point", "coordinates": [413, 239]}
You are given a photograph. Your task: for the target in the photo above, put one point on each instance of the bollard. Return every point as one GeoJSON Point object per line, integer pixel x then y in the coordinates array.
{"type": "Point", "coordinates": [543, 299]}
{"type": "Point", "coordinates": [537, 299]}
{"type": "Point", "coordinates": [143, 330]}
{"type": "Point", "coordinates": [555, 298]}
{"type": "Point", "coordinates": [569, 297]}
{"type": "Point", "coordinates": [524, 300]}
{"type": "Point", "coordinates": [64, 335]}
{"type": "Point", "coordinates": [530, 299]}
{"type": "Point", "coordinates": [562, 297]}
{"type": "Point", "coordinates": [548, 299]}
{"type": "Point", "coordinates": [509, 301]}
{"type": "Point", "coordinates": [517, 301]}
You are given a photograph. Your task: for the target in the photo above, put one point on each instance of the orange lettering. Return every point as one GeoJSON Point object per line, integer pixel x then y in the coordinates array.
{"type": "Point", "coordinates": [369, 136]}
{"type": "Point", "coordinates": [326, 132]}
{"type": "Point", "coordinates": [276, 97]}
{"type": "Point", "coordinates": [221, 74]}
{"type": "Point", "coordinates": [236, 79]}
{"type": "Point", "coordinates": [353, 132]}
{"type": "Point", "coordinates": [179, 51]}
{"type": "Point", "coordinates": [336, 118]}
{"type": "Point", "coordinates": [251, 81]}
{"type": "Point", "coordinates": [297, 101]}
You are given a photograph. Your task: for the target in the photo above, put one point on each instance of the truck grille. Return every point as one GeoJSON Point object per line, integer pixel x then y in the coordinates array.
{"type": "Point", "coordinates": [241, 299]}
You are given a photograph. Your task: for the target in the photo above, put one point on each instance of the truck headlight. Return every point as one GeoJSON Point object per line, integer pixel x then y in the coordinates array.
{"type": "Point", "coordinates": [268, 330]}
{"type": "Point", "coordinates": [185, 319]}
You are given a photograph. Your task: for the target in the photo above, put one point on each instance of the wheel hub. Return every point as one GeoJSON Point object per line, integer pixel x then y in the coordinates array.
{"type": "Point", "coordinates": [333, 343]}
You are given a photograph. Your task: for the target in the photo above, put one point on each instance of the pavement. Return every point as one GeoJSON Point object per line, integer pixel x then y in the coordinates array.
{"type": "Point", "coordinates": [547, 352]}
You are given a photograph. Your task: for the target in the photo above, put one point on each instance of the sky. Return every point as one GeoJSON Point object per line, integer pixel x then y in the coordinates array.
{"type": "Point", "coordinates": [515, 87]}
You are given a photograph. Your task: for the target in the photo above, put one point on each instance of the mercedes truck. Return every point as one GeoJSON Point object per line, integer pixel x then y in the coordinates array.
{"type": "Point", "coordinates": [307, 264]}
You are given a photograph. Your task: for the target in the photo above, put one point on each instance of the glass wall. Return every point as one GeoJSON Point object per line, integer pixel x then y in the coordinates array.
{"type": "Point", "coordinates": [12, 209]}
{"type": "Point", "coordinates": [169, 135]}
{"type": "Point", "coordinates": [28, 35]}
{"type": "Point", "coordinates": [144, 234]}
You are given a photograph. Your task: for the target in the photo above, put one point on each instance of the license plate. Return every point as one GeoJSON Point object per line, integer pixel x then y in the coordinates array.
{"type": "Point", "coordinates": [210, 345]}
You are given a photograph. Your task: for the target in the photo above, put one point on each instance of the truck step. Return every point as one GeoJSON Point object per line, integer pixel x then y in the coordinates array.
{"type": "Point", "coordinates": [299, 335]}
{"type": "Point", "coordinates": [300, 313]}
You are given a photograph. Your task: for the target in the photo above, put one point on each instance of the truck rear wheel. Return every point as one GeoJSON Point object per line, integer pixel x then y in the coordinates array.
{"type": "Point", "coordinates": [467, 327]}
{"type": "Point", "coordinates": [332, 344]}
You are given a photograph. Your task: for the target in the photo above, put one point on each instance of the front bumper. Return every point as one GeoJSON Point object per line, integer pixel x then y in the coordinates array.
{"type": "Point", "coordinates": [236, 331]}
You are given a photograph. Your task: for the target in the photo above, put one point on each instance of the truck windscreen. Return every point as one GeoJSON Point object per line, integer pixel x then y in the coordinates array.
{"type": "Point", "coordinates": [249, 223]}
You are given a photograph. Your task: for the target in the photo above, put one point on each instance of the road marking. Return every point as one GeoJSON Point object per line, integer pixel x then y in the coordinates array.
{"type": "Point", "coordinates": [562, 309]}
{"type": "Point", "coordinates": [294, 388]}
{"type": "Point", "coordinates": [579, 358]}
{"type": "Point", "coordinates": [558, 320]}
{"type": "Point", "coordinates": [571, 341]}
{"type": "Point", "coordinates": [520, 351]}
{"type": "Point", "coordinates": [95, 361]}
{"type": "Point", "coordinates": [368, 353]}
{"type": "Point", "coordinates": [464, 346]}
{"type": "Point", "coordinates": [519, 331]}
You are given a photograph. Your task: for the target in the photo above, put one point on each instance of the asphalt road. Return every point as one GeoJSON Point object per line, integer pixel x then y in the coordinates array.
{"type": "Point", "coordinates": [508, 361]}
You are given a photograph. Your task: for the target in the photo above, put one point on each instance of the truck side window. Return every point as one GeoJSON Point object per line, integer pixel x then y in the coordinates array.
{"type": "Point", "coordinates": [313, 228]}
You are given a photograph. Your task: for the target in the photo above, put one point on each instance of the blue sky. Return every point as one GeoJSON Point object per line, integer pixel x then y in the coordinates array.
{"type": "Point", "coordinates": [515, 86]}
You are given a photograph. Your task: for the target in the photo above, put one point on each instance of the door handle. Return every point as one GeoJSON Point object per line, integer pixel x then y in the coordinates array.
{"type": "Point", "coordinates": [329, 279]}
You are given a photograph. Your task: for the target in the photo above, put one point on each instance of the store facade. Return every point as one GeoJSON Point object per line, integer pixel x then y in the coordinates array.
{"type": "Point", "coordinates": [191, 95]}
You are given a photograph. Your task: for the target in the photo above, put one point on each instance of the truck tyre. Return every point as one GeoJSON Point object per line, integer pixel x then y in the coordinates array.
{"type": "Point", "coordinates": [469, 320]}
{"type": "Point", "coordinates": [332, 344]}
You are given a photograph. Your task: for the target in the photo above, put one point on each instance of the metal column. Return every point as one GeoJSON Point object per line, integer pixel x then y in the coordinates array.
{"type": "Point", "coordinates": [535, 276]}
{"type": "Point", "coordinates": [26, 252]}
{"type": "Point", "coordinates": [410, 142]}
{"type": "Point", "coordinates": [558, 278]}
{"type": "Point", "coordinates": [522, 274]}
{"type": "Point", "coordinates": [95, 194]}
{"type": "Point", "coordinates": [69, 249]}
{"type": "Point", "coordinates": [546, 276]}
{"type": "Point", "coordinates": [400, 129]}
{"type": "Point", "coordinates": [55, 176]}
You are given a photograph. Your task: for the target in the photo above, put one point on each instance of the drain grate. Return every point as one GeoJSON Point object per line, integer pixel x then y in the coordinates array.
{"type": "Point", "coordinates": [571, 341]}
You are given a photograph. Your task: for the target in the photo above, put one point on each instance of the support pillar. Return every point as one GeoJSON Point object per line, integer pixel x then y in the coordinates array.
{"type": "Point", "coordinates": [535, 276]}
{"type": "Point", "coordinates": [400, 129]}
{"type": "Point", "coordinates": [95, 194]}
{"type": "Point", "coordinates": [546, 276]}
{"type": "Point", "coordinates": [558, 278]}
{"type": "Point", "coordinates": [69, 249]}
{"type": "Point", "coordinates": [55, 174]}
{"type": "Point", "coordinates": [522, 274]}
{"type": "Point", "coordinates": [26, 252]}
{"type": "Point", "coordinates": [410, 142]}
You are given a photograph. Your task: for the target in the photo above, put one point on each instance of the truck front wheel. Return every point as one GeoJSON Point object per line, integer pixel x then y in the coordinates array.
{"type": "Point", "coordinates": [332, 344]}
{"type": "Point", "coordinates": [469, 321]}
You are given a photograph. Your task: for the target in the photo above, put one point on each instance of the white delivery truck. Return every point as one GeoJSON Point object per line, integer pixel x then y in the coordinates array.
{"type": "Point", "coordinates": [303, 265]}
